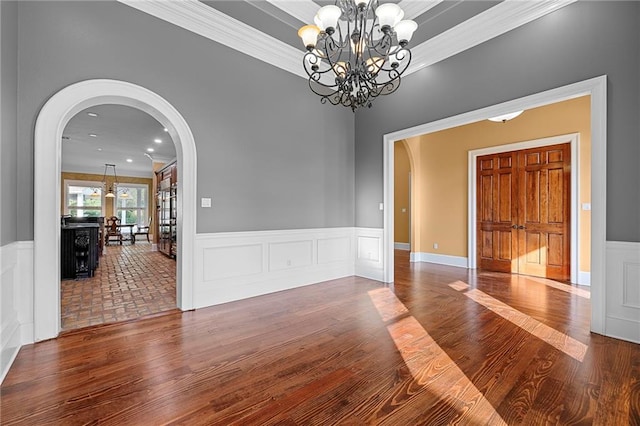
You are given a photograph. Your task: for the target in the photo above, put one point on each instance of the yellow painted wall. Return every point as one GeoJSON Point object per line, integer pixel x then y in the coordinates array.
{"type": "Point", "coordinates": [109, 210]}
{"type": "Point", "coordinates": [402, 207]}
{"type": "Point", "coordinates": [440, 172]}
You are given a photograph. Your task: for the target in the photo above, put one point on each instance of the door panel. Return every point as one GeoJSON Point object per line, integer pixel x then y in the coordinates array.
{"type": "Point", "coordinates": [524, 212]}
{"type": "Point", "coordinates": [496, 207]}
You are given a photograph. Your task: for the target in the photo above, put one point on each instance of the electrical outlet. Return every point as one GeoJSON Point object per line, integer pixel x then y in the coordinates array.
{"type": "Point", "coordinates": [435, 246]}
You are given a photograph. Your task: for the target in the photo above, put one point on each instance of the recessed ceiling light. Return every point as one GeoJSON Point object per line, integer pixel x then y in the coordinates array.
{"type": "Point", "coordinates": [92, 114]}
{"type": "Point", "coordinates": [149, 149]}
{"type": "Point", "coordinates": [99, 149]}
{"type": "Point", "coordinates": [166, 130]}
{"type": "Point", "coordinates": [157, 140]}
{"type": "Point", "coordinates": [93, 135]}
{"type": "Point", "coordinates": [129, 160]}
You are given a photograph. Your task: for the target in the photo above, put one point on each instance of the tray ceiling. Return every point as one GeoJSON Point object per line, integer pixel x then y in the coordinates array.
{"type": "Point", "coordinates": [267, 31]}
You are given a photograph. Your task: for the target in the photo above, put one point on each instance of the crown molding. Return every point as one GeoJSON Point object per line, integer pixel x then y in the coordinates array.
{"type": "Point", "coordinates": [413, 9]}
{"type": "Point", "coordinates": [303, 10]}
{"type": "Point", "coordinates": [208, 22]}
{"type": "Point", "coordinates": [491, 23]}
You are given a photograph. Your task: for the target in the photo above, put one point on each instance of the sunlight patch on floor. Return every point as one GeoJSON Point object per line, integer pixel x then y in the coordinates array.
{"type": "Point", "coordinates": [568, 288]}
{"type": "Point", "coordinates": [558, 340]}
{"type": "Point", "coordinates": [430, 365]}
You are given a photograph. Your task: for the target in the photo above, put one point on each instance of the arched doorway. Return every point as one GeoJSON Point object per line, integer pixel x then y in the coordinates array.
{"type": "Point", "coordinates": [53, 117]}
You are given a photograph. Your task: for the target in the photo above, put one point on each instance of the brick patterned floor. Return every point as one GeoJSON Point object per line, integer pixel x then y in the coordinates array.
{"type": "Point", "coordinates": [131, 281]}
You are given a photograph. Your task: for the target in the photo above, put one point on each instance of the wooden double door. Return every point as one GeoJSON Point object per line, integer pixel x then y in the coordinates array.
{"type": "Point", "coordinates": [523, 211]}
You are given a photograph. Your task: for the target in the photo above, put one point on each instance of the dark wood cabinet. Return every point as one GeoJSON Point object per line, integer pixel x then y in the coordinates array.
{"type": "Point", "coordinates": [79, 250]}
{"type": "Point", "coordinates": [167, 209]}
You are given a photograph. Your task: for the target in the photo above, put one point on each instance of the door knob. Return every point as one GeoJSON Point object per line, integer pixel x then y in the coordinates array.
{"type": "Point", "coordinates": [522, 227]}
{"type": "Point", "coordinates": [514, 226]}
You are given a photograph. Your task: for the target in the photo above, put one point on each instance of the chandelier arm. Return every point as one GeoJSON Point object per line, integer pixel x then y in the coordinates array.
{"type": "Point", "coordinates": [356, 61]}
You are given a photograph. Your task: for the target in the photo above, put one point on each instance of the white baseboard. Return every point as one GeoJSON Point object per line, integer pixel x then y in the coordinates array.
{"type": "Point", "coordinates": [622, 312]}
{"type": "Point", "coordinates": [440, 259]}
{"type": "Point", "coordinates": [402, 246]}
{"type": "Point", "coordinates": [584, 278]}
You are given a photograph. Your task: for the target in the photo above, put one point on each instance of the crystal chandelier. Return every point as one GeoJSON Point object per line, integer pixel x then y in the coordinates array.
{"type": "Point", "coordinates": [356, 51]}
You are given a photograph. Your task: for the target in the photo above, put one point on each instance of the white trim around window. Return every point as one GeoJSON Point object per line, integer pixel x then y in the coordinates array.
{"type": "Point", "coordinates": [87, 184]}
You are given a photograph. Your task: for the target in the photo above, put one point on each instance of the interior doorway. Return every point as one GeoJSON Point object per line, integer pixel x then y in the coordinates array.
{"type": "Point", "coordinates": [523, 211]}
{"type": "Point", "coordinates": [596, 89]}
{"type": "Point", "coordinates": [52, 119]}
{"type": "Point", "coordinates": [110, 154]}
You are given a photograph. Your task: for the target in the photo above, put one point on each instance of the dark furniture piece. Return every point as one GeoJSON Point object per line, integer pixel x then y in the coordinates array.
{"type": "Point", "coordinates": [79, 250]}
{"type": "Point", "coordinates": [72, 220]}
{"type": "Point", "coordinates": [167, 209]}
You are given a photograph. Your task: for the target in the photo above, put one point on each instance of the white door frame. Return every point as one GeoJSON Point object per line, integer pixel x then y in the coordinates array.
{"type": "Point", "coordinates": [574, 239]}
{"type": "Point", "coordinates": [597, 89]}
{"type": "Point", "coordinates": [50, 124]}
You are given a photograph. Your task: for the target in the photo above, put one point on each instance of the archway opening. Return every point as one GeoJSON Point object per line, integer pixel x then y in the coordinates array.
{"type": "Point", "coordinates": [50, 124]}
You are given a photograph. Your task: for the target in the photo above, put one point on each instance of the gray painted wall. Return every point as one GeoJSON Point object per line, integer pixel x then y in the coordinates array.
{"type": "Point", "coordinates": [269, 154]}
{"type": "Point", "coordinates": [578, 42]}
{"type": "Point", "coordinates": [8, 105]}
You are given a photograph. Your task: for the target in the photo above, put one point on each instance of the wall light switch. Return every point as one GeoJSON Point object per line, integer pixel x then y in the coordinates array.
{"type": "Point", "coordinates": [381, 206]}
{"type": "Point", "coordinates": [586, 206]}
{"type": "Point", "coordinates": [205, 202]}
{"type": "Point", "coordinates": [404, 210]}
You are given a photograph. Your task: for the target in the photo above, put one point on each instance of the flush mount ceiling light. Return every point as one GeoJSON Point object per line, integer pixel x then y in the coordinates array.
{"type": "Point", "coordinates": [356, 51]}
{"type": "Point", "coordinates": [157, 140]}
{"type": "Point", "coordinates": [505, 117]}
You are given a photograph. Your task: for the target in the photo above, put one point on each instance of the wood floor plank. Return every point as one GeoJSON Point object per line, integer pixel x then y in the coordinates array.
{"type": "Point", "coordinates": [350, 351]}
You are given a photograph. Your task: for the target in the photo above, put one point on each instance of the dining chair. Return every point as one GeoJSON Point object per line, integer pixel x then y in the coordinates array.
{"type": "Point", "coordinates": [112, 230]}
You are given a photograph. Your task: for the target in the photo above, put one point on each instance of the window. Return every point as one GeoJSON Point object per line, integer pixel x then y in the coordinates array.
{"type": "Point", "coordinates": [132, 204]}
{"type": "Point", "coordinates": [83, 199]}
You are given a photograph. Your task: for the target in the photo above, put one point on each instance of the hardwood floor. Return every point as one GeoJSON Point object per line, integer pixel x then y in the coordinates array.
{"type": "Point", "coordinates": [442, 345]}
{"type": "Point", "coordinates": [132, 281]}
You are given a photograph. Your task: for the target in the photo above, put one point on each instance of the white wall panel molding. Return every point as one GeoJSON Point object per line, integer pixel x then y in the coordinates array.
{"type": "Point", "coordinates": [369, 253]}
{"type": "Point", "coordinates": [16, 301]}
{"type": "Point", "coordinates": [9, 326]}
{"type": "Point", "coordinates": [623, 290]}
{"type": "Point", "coordinates": [235, 265]}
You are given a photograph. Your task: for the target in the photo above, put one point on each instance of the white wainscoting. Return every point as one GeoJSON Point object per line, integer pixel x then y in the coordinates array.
{"type": "Point", "coordinates": [16, 301]}
{"type": "Point", "coordinates": [441, 259]}
{"type": "Point", "coordinates": [623, 291]}
{"type": "Point", "coordinates": [232, 266]}
{"type": "Point", "coordinates": [235, 265]}
{"type": "Point", "coordinates": [369, 262]}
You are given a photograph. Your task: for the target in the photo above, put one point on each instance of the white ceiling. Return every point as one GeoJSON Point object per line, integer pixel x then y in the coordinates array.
{"type": "Point", "coordinates": [121, 133]}
{"type": "Point", "coordinates": [267, 31]}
